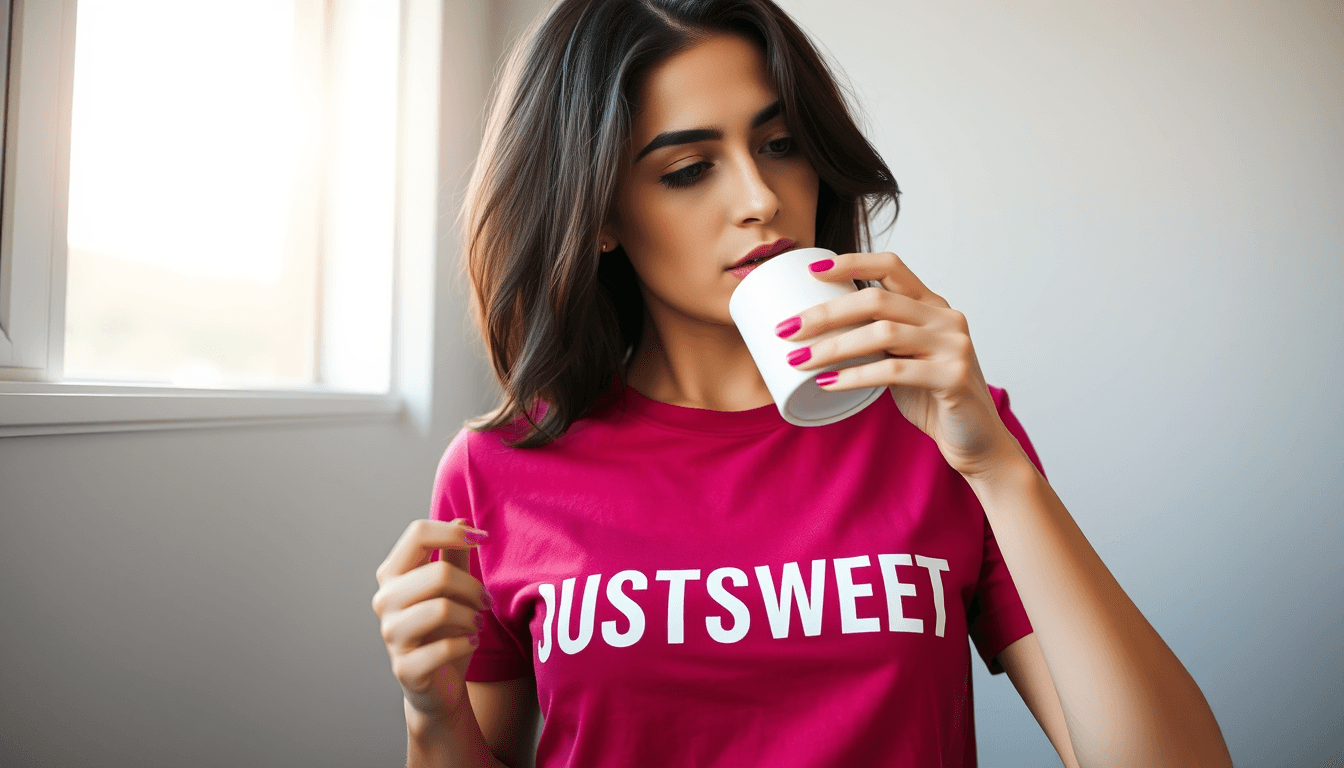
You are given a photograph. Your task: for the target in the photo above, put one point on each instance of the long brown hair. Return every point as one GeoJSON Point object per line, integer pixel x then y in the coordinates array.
{"type": "Point", "coordinates": [557, 315]}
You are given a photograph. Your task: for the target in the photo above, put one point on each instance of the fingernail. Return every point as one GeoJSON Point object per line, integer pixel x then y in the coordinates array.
{"type": "Point", "coordinates": [788, 327]}
{"type": "Point", "coordinates": [474, 535]}
{"type": "Point", "coordinates": [800, 355]}
{"type": "Point", "coordinates": [475, 639]}
{"type": "Point", "coordinates": [827, 378]}
{"type": "Point", "coordinates": [480, 622]}
{"type": "Point", "coordinates": [487, 600]}
{"type": "Point", "coordinates": [821, 266]}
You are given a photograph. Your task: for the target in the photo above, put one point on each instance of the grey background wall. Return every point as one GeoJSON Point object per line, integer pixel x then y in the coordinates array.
{"type": "Point", "coordinates": [1137, 206]}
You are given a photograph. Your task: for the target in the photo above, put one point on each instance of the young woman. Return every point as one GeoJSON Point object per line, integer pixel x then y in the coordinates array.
{"type": "Point", "coordinates": [638, 548]}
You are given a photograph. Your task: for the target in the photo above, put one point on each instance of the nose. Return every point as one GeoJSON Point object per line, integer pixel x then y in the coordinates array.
{"type": "Point", "coordinates": [754, 200]}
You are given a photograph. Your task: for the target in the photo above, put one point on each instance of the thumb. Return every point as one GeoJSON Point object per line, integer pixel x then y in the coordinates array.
{"type": "Point", "coordinates": [459, 552]}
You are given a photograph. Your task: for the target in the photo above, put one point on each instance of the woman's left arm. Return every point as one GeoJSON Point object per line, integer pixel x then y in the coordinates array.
{"type": "Point", "coordinates": [1126, 698]}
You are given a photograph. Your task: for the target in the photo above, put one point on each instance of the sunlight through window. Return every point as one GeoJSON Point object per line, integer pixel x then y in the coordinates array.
{"type": "Point", "coordinates": [231, 193]}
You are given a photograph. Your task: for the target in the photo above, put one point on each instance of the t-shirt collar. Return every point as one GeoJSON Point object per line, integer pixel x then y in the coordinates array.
{"type": "Point", "coordinates": [761, 419]}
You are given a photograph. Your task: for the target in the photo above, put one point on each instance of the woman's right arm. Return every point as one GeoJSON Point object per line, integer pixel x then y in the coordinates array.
{"type": "Point", "coordinates": [496, 726]}
{"type": "Point", "coordinates": [436, 742]}
{"type": "Point", "coordinates": [431, 619]}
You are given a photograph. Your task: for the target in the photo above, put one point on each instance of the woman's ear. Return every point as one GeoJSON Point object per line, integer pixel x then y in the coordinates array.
{"type": "Point", "coordinates": [606, 239]}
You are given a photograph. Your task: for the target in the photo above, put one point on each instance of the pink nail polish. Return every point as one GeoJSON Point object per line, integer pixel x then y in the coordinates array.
{"type": "Point", "coordinates": [821, 266]}
{"type": "Point", "coordinates": [827, 378]}
{"type": "Point", "coordinates": [487, 600]}
{"type": "Point", "coordinates": [788, 327]}
{"type": "Point", "coordinates": [475, 537]}
{"type": "Point", "coordinates": [798, 356]}
{"type": "Point", "coordinates": [480, 622]}
{"type": "Point", "coordinates": [475, 639]}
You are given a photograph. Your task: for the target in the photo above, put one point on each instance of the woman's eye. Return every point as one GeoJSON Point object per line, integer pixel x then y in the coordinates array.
{"type": "Point", "coordinates": [787, 142]}
{"type": "Point", "coordinates": [689, 175]}
{"type": "Point", "coordinates": [684, 177]}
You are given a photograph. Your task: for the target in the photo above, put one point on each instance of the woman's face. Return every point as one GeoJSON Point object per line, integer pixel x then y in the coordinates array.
{"type": "Point", "coordinates": [689, 210]}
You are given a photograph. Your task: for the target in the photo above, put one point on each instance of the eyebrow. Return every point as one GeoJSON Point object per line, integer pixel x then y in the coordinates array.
{"type": "Point", "coordinates": [690, 135]}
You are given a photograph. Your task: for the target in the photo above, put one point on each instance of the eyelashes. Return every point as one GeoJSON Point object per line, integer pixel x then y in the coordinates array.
{"type": "Point", "coordinates": [691, 174]}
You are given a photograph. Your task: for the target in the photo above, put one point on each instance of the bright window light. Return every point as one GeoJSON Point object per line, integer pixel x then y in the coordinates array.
{"type": "Point", "coordinates": [231, 193]}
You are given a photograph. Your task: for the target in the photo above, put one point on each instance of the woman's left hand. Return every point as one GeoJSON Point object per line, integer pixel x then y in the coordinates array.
{"type": "Point", "coordinates": [929, 367]}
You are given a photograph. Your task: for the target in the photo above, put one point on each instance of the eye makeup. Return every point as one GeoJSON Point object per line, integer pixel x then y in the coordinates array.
{"type": "Point", "coordinates": [691, 174]}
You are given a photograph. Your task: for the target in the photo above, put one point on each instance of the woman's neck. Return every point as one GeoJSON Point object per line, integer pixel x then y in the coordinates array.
{"type": "Point", "coordinates": [713, 374]}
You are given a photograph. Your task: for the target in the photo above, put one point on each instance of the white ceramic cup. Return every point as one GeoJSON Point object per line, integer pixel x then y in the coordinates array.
{"type": "Point", "coordinates": [773, 292]}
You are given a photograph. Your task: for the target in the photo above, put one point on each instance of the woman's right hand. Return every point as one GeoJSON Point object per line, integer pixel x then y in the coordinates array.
{"type": "Point", "coordinates": [431, 613]}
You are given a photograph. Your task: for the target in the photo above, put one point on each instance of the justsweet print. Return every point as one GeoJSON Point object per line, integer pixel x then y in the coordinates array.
{"type": "Point", "coordinates": [780, 603]}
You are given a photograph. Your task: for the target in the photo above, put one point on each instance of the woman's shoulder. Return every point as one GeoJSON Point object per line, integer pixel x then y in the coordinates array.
{"type": "Point", "coordinates": [512, 430]}
{"type": "Point", "coordinates": [503, 436]}
{"type": "Point", "coordinates": [482, 444]}
{"type": "Point", "coordinates": [456, 456]}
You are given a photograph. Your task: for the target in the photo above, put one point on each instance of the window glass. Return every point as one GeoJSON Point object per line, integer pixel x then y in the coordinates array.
{"type": "Point", "coordinates": [220, 154]}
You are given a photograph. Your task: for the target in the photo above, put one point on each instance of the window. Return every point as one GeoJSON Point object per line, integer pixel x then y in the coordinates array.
{"type": "Point", "coordinates": [209, 209]}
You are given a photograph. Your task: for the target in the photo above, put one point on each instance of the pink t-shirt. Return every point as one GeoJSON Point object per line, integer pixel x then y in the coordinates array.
{"type": "Point", "coordinates": [710, 588]}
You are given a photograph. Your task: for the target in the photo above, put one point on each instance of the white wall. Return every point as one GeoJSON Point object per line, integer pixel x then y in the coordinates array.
{"type": "Point", "coordinates": [1136, 204]}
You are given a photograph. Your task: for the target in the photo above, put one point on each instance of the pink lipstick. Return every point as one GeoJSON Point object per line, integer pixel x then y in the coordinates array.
{"type": "Point", "coordinates": [759, 255]}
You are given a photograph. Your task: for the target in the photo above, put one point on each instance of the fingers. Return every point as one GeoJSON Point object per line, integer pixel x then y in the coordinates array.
{"type": "Point", "coordinates": [449, 578]}
{"type": "Point", "coordinates": [423, 536]}
{"type": "Point", "coordinates": [429, 581]}
{"type": "Point", "coordinates": [876, 338]}
{"type": "Point", "coordinates": [893, 371]}
{"type": "Point", "coordinates": [429, 620]}
{"type": "Point", "coordinates": [885, 267]}
{"type": "Point", "coordinates": [431, 612]}
{"type": "Point", "coordinates": [861, 306]}
{"type": "Point", "coordinates": [415, 669]}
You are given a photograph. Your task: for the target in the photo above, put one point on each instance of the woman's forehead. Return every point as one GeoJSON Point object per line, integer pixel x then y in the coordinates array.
{"type": "Point", "coordinates": [720, 82]}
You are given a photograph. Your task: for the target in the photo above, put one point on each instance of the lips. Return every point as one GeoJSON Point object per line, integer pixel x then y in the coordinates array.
{"type": "Point", "coordinates": [763, 252]}
{"type": "Point", "coordinates": [745, 269]}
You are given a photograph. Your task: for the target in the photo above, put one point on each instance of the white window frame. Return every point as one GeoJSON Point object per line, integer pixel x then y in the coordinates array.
{"type": "Point", "coordinates": [33, 399]}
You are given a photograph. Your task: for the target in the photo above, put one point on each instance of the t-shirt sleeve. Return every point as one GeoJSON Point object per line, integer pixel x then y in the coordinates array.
{"type": "Point", "coordinates": [498, 656]}
{"type": "Point", "coordinates": [996, 618]}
